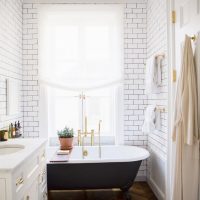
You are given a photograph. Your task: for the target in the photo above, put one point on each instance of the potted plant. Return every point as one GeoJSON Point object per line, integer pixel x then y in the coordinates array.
{"type": "Point", "coordinates": [66, 138]}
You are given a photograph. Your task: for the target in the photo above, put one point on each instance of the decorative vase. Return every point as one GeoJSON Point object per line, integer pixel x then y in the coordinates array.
{"type": "Point", "coordinates": [66, 143]}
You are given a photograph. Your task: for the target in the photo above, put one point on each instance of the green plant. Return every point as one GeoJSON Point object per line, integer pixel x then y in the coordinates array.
{"type": "Point", "coordinates": [66, 133]}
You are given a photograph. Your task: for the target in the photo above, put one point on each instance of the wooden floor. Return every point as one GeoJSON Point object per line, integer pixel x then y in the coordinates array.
{"type": "Point", "coordinates": [139, 191]}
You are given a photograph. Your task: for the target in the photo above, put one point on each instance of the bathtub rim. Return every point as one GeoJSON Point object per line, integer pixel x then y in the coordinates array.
{"type": "Point", "coordinates": [144, 156]}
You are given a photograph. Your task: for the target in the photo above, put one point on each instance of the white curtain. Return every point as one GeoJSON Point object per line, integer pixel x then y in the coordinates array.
{"type": "Point", "coordinates": [80, 46]}
{"type": "Point", "coordinates": [80, 51]}
{"type": "Point", "coordinates": [185, 130]}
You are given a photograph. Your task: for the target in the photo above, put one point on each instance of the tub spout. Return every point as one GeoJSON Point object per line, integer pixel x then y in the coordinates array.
{"type": "Point", "coordinates": [84, 151]}
{"type": "Point", "coordinates": [83, 134]}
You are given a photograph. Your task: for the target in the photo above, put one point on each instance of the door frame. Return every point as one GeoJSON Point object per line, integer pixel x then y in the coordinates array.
{"type": "Point", "coordinates": [171, 93]}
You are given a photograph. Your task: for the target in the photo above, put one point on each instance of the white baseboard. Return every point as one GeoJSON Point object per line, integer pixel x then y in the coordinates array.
{"type": "Point", "coordinates": [156, 190]}
{"type": "Point", "coordinates": [141, 178]}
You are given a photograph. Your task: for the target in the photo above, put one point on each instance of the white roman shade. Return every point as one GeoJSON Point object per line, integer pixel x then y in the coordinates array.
{"type": "Point", "coordinates": [80, 46]}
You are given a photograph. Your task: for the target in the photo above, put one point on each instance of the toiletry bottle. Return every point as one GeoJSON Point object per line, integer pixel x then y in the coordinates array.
{"type": "Point", "coordinates": [6, 135]}
{"type": "Point", "coordinates": [12, 130]}
{"type": "Point", "coordinates": [15, 126]}
{"type": "Point", "coordinates": [16, 129]}
{"type": "Point", "coordinates": [9, 131]}
{"type": "Point", "coordinates": [19, 128]}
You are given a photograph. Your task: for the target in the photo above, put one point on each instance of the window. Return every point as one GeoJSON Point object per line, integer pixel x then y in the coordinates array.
{"type": "Point", "coordinates": [81, 67]}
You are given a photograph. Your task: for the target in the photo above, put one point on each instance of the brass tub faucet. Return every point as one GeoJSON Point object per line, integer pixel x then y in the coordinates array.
{"type": "Point", "coordinates": [82, 135]}
{"type": "Point", "coordinates": [85, 134]}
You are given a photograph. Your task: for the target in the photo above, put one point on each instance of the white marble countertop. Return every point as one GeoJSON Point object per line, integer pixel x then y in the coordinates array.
{"type": "Point", "coordinates": [9, 162]}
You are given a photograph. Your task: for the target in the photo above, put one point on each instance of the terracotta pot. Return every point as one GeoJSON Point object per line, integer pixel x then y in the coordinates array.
{"type": "Point", "coordinates": [66, 143]}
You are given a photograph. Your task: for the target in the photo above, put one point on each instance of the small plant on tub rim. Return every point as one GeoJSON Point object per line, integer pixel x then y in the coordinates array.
{"type": "Point", "coordinates": [66, 133]}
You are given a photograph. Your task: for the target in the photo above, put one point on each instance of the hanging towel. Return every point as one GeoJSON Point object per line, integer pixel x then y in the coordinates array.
{"type": "Point", "coordinates": [150, 77]}
{"type": "Point", "coordinates": [197, 67]}
{"type": "Point", "coordinates": [153, 75]}
{"type": "Point", "coordinates": [149, 120]}
{"type": "Point", "coordinates": [185, 131]}
{"type": "Point", "coordinates": [157, 119]}
{"type": "Point", "coordinates": [158, 71]}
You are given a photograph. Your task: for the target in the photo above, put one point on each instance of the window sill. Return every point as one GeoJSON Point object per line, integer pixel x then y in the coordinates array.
{"type": "Point", "coordinates": [105, 140]}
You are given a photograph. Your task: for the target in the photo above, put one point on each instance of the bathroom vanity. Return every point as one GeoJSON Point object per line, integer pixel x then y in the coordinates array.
{"type": "Point", "coordinates": [23, 169]}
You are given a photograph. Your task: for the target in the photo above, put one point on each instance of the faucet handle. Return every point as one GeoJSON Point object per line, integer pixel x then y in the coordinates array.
{"type": "Point", "coordinates": [92, 137]}
{"type": "Point", "coordinates": [79, 137]}
{"type": "Point", "coordinates": [100, 121]}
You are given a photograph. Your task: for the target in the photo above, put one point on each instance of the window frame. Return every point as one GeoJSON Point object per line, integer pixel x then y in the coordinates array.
{"type": "Point", "coordinates": [117, 119]}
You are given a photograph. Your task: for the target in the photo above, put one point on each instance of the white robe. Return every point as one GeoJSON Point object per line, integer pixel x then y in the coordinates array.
{"type": "Point", "coordinates": [185, 130]}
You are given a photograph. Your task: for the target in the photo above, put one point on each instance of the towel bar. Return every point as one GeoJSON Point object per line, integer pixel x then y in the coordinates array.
{"type": "Point", "coordinates": [161, 109]}
{"type": "Point", "coordinates": [162, 55]}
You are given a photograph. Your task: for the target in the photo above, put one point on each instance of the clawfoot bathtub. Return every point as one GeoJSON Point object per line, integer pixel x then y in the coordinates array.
{"type": "Point", "coordinates": [117, 168]}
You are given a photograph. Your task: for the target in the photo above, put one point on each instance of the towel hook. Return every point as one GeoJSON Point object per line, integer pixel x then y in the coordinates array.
{"type": "Point", "coordinates": [193, 38]}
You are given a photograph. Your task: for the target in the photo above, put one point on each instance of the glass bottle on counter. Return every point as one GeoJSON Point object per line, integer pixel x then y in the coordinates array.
{"type": "Point", "coordinates": [16, 132]}
{"type": "Point", "coordinates": [9, 131]}
{"type": "Point", "coordinates": [12, 130]}
{"type": "Point", "coordinates": [18, 129]}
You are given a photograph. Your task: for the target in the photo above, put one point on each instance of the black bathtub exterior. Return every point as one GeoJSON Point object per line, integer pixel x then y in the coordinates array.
{"type": "Point", "coordinates": [75, 176]}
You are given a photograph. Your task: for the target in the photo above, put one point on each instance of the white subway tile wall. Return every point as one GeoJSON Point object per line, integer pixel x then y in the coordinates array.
{"type": "Point", "coordinates": [134, 60]}
{"type": "Point", "coordinates": [30, 71]}
{"type": "Point", "coordinates": [135, 36]}
{"type": "Point", "coordinates": [157, 43]}
{"type": "Point", "coordinates": [10, 55]}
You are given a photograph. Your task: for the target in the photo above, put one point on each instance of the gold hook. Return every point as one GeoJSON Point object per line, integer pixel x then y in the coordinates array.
{"type": "Point", "coordinates": [193, 38]}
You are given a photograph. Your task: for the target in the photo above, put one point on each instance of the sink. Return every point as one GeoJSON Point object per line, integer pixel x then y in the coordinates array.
{"type": "Point", "coordinates": [6, 149]}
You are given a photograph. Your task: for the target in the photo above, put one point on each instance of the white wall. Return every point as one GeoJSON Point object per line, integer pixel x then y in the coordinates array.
{"type": "Point", "coordinates": [10, 54]}
{"type": "Point", "coordinates": [157, 140]}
